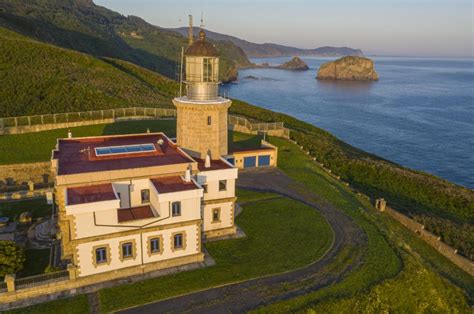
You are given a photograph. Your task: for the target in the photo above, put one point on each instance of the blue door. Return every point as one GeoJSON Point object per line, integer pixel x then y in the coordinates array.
{"type": "Point", "coordinates": [264, 160]}
{"type": "Point", "coordinates": [250, 162]}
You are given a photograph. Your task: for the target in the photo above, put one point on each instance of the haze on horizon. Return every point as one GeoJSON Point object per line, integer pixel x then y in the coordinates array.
{"type": "Point", "coordinates": [429, 28]}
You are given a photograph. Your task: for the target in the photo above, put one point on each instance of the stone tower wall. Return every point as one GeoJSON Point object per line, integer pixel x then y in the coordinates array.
{"type": "Point", "coordinates": [193, 132]}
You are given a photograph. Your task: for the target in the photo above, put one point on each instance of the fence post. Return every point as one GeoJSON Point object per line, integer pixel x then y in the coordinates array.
{"type": "Point", "coordinates": [134, 111]}
{"type": "Point", "coordinates": [10, 281]}
{"type": "Point", "coordinates": [42, 120]}
{"type": "Point", "coordinates": [16, 122]}
{"type": "Point", "coordinates": [380, 204]}
{"type": "Point", "coordinates": [31, 186]}
{"type": "Point", "coordinates": [54, 118]}
{"type": "Point", "coordinates": [29, 120]}
{"type": "Point", "coordinates": [102, 113]}
{"type": "Point", "coordinates": [72, 271]}
{"type": "Point", "coordinates": [67, 117]}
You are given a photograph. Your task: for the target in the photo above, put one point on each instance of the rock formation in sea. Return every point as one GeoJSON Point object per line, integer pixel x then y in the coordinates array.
{"type": "Point", "coordinates": [350, 68]}
{"type": "Point", "coordinates": [295, 64]}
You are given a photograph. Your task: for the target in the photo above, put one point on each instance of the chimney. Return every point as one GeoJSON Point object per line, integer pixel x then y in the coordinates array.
{"type": "Point", "coordinates": [69, 134]}
{"type": "Point", "coordinates": [207, 163]}
{"type": "Point", "coordinates": [190, 31]}
{"type": "Point", "coordinates": [187, 175]}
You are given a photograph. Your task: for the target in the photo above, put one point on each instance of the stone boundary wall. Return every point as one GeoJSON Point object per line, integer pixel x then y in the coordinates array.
{"type": "Point", "coordinates": [21, 174]}
{"type": "Point", "coordinates": [20, 195]}
{"type": "Point", "coordinates": [38, 123]}
{"type": "Point", "coordinates": [433, 240]}
{"type": "Point", "coordinates": [243, 129]}
{"type": "Point", "coordinates": [430, 238]}
{"type": "Point", "coordinates": [57, 289]}
{"type": "Point", "coordinates": [45, 122]}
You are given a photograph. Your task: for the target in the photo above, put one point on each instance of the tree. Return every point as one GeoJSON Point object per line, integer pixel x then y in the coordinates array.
{"type": "Point", "coordinates": [12, 258]}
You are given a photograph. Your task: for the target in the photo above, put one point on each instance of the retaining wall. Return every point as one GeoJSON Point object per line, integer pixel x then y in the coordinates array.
{"type": "Point", "coordinates": [433, 240]}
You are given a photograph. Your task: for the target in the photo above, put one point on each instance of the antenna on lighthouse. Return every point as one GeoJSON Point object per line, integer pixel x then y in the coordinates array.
{"type": "Point", "coordinates": [202, 20]}
{"type": "Point", "coordinates": [190, 31]}
{"type": "Point", "coordinates": [181, 73]}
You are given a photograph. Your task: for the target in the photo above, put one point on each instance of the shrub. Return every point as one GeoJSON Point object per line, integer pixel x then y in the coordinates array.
{"type": "Point", "coordinates": [12, 258]}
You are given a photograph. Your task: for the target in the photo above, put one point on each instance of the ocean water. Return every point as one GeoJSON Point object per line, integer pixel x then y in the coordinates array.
{"type": "Point", "coordinates": [419, 114]}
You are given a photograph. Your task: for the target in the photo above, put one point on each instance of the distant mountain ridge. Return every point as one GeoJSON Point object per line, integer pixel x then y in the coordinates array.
{"type": "Point", "coordinates": [255, 50]}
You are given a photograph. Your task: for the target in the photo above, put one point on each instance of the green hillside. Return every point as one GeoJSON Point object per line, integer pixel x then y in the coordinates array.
{"type": "Point", "coordinates": [83, 26]}
{"type": "Point", "coordinates": [41, 78]}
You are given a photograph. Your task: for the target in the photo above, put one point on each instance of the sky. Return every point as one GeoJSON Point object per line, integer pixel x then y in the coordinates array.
{"type": "Point", "coordinates": [430, 28]}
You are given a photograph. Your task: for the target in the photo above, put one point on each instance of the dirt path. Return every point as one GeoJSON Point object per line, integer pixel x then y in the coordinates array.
{"type": "Point", "coordinates": [244, 296]}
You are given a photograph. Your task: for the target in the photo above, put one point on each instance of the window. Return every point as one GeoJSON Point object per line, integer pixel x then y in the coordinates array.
{"type": "Point", "coordinates": [207, 69]}
{"type": "Point", "coordinates": [155, 246]}
{"type": "Point", "coordinates": [127, 250]}
{"type": "Point", "coordinates": [216, 215]}
{"type": "Point", "coordinates": [209, 120]}
{"type": "Point", "coordinates": [178, 241]}
{"type": "Point", "coordinates": [127, 149]}
{"type": "Point", "coordinates": [145, 196]}
{"type": "Point", "coordinates": [101, 255]}
{"type": "Point", "coordinates": [222, 185]}
{"type": "Point", "coordinates": [176, 209]}
{"type": "Point", "coordinates": [204, 186]}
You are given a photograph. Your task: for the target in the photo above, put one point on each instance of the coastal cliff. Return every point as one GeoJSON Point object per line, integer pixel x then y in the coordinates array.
{"type": "Point", "coordinates": [350, 68]}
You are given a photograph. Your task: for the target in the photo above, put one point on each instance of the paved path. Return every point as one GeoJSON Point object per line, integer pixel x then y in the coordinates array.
{"type": "Point", "coordinates": [241, 297]}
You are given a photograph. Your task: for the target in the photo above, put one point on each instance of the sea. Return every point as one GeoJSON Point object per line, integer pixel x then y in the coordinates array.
{"type": "Point", "coordinates": [420, 114]}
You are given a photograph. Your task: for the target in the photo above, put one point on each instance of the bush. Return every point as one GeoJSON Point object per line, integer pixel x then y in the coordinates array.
{"type": "Point", "coordinates": [12, 258]}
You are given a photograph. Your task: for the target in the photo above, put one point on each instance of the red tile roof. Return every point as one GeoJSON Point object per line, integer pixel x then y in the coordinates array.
{"type": "Point", "coordinates": [135, 213]}
{"type": "Point", "coordinates": [78, 155]}
{"type": "Point", "coordinates": [215, 165]}
{"type": "Point", "coordinates": [173, 184]}
{"type": "Point", "coordinates": [90, 194]}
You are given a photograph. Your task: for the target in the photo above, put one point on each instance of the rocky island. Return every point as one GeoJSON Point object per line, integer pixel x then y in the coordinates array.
{"type": "Point", "coordinates": [295, 64]}
{"type": "Point", "coordinates": [350, 68]}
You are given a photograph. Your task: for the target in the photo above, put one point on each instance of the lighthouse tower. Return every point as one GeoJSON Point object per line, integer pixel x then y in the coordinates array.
{"type": "Point", "coordinates": [201, 113]}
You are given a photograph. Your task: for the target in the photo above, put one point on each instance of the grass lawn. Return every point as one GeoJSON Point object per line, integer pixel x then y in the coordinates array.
{"type": "Point", "coordinates": [385, 236]}
{"type": "Point", "coordinates": [75, 305]}
{"type": "Point", "coordinates": [37, 147]}
{"type": "Point", "coordinates": [417, 289]}
{"type": "Point", "coordinates": [239, 140]}
{"type": "Point", "coordinates": [251, 196]}
{"type": "Point", "coordinates": [38, 207]}
{"type": "Point", "coordinates": [36, 262]}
